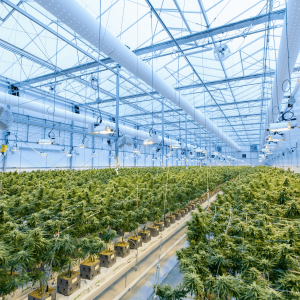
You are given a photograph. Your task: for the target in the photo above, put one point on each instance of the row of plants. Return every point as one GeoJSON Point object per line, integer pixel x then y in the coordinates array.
{"type": "Point", "coordinates": [51, 220]}
{"type": "Point", "coordinates": [248, 245]}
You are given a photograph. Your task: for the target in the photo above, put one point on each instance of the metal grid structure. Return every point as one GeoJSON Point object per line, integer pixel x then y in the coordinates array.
{"type": "Point", "coordinates": [177, 38]}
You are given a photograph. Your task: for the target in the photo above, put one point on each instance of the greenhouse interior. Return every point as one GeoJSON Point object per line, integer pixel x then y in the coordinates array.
{"type": "Point", "coordinates": [149, 149]}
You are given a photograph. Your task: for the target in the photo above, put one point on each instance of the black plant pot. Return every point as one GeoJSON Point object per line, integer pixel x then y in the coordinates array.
{"type": "Point", "coordinates": [160, 226]}
{"type": "Point", "coordinates": [107, 259]}
{"type": "Point", "coordinates": [89, 270]}
{"type": "Point", "coordinates": [135, 242]}
{"type": "Point", "coordinates": [36, 295]}
{"type": "Point", "coordinates": [177, 216]}
{"type": "Point", "coordinates": [68, 285]}
{"type": "Point", "coordinates": [171, 218]}
{"type": "Point", "coordinates": [145, 235]}
{"type": "Point", "coordinates": [154, 230]}
{"type": "Point", "coordinates": [122, 249]}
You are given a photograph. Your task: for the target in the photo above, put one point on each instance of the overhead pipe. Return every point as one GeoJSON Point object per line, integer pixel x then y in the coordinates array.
{"type": "Point", "coordinates": [287, 56]}
{"type": "Point", "coordinates": [51, 111]}
{"type": "Point", "coordinates": [71, 13]}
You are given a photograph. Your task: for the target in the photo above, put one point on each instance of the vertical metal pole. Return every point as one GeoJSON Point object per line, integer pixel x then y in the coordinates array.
{"type": "Point", "coordinates": [117, 120]}
{"type": "Point", "coordinates": [209, 150]}
{"type": "Point", "coordinates": [71, 146]}
{"type": "Point", "coordinates": [163, 134]}
{"type": "Point", "coordinates": [5, 139]}
{"type": "Point", "coordinates": [93, 149]}
{"type": "Point", "coordinates": [109, 158]}
{"type": "Point", "coordinates": [186, 150]}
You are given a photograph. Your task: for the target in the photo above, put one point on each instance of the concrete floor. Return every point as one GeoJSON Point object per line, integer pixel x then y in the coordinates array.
{"type": "Point", "coordinates": [143, 289]}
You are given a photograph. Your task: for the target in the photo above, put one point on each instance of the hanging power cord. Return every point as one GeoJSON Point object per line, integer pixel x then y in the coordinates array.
{"type": "Point", "coordinates": [160, 245]}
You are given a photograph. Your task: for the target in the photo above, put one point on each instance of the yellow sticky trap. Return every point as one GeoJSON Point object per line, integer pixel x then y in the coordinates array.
{"type": "Point", "coordinates": [3, 148]}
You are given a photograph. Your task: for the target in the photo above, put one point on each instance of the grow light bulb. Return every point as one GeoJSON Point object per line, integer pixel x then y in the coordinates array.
{"type": "Point", "coordinates": [176, 146]}
{"type": "Point", "coordinates": [68, 154]}
{"type": "Point", "coordinates": [148, 142]}
{"type": "Point", "coordinates": [283, 126]}
{"type": "Point", "coordinates": [44, 142]}
{"type": "Point", "coordinates": [43, 154]}
{"type": "Point", "coordinates": [15, 148]}
{"type": "Point", "coordinates": [107, 130]}
{"type": "Point", "coordinates": [275, 138]}
{"type": "Point", "coordinates": [136, 151]}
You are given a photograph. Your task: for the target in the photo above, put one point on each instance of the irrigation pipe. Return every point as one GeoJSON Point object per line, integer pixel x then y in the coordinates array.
{"type": "Point", "coordinates": [128, 288]}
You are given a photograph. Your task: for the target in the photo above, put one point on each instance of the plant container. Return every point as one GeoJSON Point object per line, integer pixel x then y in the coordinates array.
{"type": "Point", "coordinates": [186, 210]}
{"type": "Point", "coordinates": [68, 285]}
{"type": "Point", "coordinates": [189, 208]}
{"type": "Point", "coordinates": [193, 206]}
{"type": "Point", "coordinates": [145, 235]}
{"type": "Point", "coordinates": [38, 293]}
{"type": "Point", "coordinates": [135, 242]}
{"type": "Point", "coordinates": [171, 218]}
{"type": "Point", "coordinates": [108, 258]}
{"type": "Point", "coordinates": [167, 222]}
{"type": "Point", "coordinates": [160, 225]}
{"type": "Point", "coordinates": [122, 249]}
{"type": "Point", "coordinates": [177, 216]}
{"type": "Point", "coordinates": [182, 211]}
{"type": "Point", "coordinates": [154, 230]}
{"type": "Point", "coordinates": [89, 269]}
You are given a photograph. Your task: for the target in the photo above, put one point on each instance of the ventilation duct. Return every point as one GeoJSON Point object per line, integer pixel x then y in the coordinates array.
{"type": "Point", "coordinates": [287, 55]}
{"type": "Point", "coordinates": [47, 110]}
{"type": "Point", "coordinates": [6, 118]}
{"type": "Point", "coordinates": [78, 19]}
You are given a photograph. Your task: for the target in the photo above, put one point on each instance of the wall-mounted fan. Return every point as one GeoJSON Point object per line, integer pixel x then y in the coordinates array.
{"type": "Point", "coordinates": [124, 141]}
{"type": "Point", "coordinates": [222, 52]}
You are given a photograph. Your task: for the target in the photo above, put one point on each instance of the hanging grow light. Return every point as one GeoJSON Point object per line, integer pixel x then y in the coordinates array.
{"type": "Point", "coordinates": [270, 146]}
{"type": "Point", "coordinates": [44, 154]}
{"type": "Point", "coordinates": [176, 146]}
{"type": "Point", "coordinates": [107, 130]}
{"type": "Point", "coordinates": [15, 148]}
{"type": "Point", "coordinates": [275, 138]}
{"type": "Point", "coordinates": [204, 151]}
{"type": "Point", "coordinates": [100, 129]}
{"type": "Point", "coordinates": [44, 141]}
{"type": "Point", "coordinates": [148, 142]}
{"type": "Point", "coordinates": [198, 150]}
{"type": "Point", "coordinates": [68, 154]}
{"type": "Point", "coordinates": [283, 126]}
{"type": "Point", "coordinates": [136, 151]}
{"type": "Point", "coordinates": [84, 142]}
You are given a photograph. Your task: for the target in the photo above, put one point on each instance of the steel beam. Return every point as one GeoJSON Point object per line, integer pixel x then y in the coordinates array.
{"type": "Point", "coordinates": [218, 118]}
{"type": "Point", "coordinates": [194, 86]}
{"type": "Point", "coordinates": [199, 107]}
{"type": "Point", "coordinates": [276, 15]}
